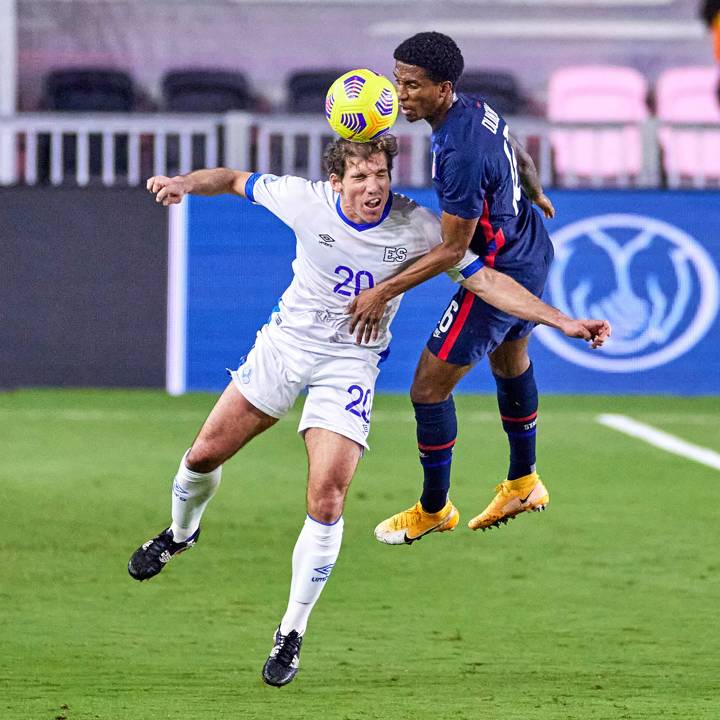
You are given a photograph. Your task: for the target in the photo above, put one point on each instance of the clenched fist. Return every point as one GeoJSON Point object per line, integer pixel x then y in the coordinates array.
{"type": "Point", "coordinates": [168, 191]}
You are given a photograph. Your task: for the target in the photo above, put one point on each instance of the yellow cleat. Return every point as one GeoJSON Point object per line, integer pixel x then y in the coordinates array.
{"type": "Point", "coordinates": [412, 524]}
{"type": "Point", "coordinates": [513, 497]}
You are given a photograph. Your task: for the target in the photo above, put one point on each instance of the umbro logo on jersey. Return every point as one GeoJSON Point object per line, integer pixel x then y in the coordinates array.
{"type": "Point", "coordinates": [395, 255]}
{"type": "Point", "coordinates": [326, 240]}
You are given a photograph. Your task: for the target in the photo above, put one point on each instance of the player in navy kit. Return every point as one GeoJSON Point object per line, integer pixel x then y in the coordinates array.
{"type": "Point", "coordinates": [486, 184]}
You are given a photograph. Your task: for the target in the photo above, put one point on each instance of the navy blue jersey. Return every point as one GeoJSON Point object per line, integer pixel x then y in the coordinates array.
{"type": "Point", "coordinates": [475, 176]}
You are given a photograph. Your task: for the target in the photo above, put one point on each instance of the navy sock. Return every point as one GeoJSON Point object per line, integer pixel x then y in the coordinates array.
{"type": "Point", "coordinates": [518, 403]}
{"type": "Point", "coordinates": [436, 433]}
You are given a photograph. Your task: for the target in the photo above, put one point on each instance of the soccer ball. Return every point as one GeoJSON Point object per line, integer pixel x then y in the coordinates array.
{"type": "Point", "coordinates": [361, 105]}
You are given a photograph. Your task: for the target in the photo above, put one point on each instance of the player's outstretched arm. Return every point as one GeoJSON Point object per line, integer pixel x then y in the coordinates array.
{"type": "Point", "coordinates": [530, 179]}
{"type": "Point", "coordinates": [502, 292]}
{"type": "Point", "coordinates": [216, 181]}
{"type": "Point", "coordinates": [368, 308]}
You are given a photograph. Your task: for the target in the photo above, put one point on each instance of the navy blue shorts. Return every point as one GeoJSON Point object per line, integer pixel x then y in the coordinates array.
{"type": "Point", "coordinates": [469, 328]}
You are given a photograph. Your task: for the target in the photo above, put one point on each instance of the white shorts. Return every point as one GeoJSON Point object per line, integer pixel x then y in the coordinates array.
{"type": "Point", "coordinates": [340, 390]}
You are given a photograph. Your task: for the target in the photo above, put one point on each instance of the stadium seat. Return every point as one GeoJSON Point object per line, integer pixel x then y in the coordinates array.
{"type": "Point", "coordinates": [88, 90]}
{"type": "Point", "coordinates": [499, 88]}
{"type": "Point", "coordinates": [307, 89]}
{"type": "Point", "coordinates": [598, 94]}
{"type": "Point", "coordinates": [212, 91]}
{"type": "Point", "coordinates": [687, 95]}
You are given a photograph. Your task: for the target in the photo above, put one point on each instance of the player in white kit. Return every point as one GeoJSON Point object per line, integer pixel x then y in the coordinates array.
{"type": "Point", "coordinates": [352, 233]}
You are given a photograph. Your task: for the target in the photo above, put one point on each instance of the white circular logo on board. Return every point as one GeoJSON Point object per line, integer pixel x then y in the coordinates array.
{"type": "Point", "coordinates": [656, 285]}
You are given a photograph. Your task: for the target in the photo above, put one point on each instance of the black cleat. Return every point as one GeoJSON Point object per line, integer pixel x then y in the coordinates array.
{"type": "Point", "coordinates": [282, 665]}
{"type": "Point", "coordinates": [151, 557]}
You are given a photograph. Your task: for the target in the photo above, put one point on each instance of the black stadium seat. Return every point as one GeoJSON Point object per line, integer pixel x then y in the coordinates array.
{"type": "Point", "coordinates": [213, 91]}
{"type": "Point", "coordinates": [499, 88]}
{"type": "Point", "coordinates": [88, 90]}
{"type": "Point", "coordinates": [307, 89]}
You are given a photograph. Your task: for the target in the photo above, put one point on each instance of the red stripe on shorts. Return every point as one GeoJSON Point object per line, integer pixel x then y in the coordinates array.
{"type": "Point", "coordinates": [447, 346]}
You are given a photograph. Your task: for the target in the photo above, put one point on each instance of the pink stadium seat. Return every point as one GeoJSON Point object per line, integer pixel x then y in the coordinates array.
{"type": "Point", "coordinates": [688, 95]}
{"type": "Point", "coordinates": [598, 94]}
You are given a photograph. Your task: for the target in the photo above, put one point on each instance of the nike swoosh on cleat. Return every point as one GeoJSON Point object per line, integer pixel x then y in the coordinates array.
{"type": "Point", "coordinates": [525, 499]}
{"type": "Point", "coordinates": [409, 541]}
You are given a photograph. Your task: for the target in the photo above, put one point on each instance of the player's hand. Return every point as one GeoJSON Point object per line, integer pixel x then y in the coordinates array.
{"type": "Point", "coordinates": [366, 311]}
{"type": "Point", "coordinates": [596, 332]}
{"type": "Point", "coordinates": [168, 191]}
{"type": "Point", "coordinates": [543, 202]}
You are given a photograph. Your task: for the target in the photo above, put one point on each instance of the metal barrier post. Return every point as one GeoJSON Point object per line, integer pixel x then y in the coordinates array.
{"type": "Point", "coordinates": [237, 140]}
{"type": "Point", "coordinates": [650, 175]}
{"type": "Point", "coordinates": [8, 90]}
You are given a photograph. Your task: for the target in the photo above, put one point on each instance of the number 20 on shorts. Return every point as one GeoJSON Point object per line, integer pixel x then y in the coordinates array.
{"type": "Point", "coordinates": [361, 402]}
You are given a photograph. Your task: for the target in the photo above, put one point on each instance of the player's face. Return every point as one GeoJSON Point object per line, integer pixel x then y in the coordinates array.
{"type": "Point", "coordinates": [364, 189]}
{"type": "Point", "coordinates": [420, 97]}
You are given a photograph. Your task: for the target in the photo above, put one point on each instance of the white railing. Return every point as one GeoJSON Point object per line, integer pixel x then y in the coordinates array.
{"type": "Point", "coordinates": [294, 145]}
{"type": "Point", "coordinates": [113, 148]}
{"type": "Point", "coordinates": [122, 149]}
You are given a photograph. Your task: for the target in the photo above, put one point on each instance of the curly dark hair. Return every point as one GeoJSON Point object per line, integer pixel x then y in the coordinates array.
{"type": "Point", "coordinates": [338, 151]}
{"type": "Point", "coordinates": [435, 53]}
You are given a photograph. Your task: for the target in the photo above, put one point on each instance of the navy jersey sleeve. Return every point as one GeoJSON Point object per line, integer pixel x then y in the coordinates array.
{"type": "Point", "coordinates": [462, 177]}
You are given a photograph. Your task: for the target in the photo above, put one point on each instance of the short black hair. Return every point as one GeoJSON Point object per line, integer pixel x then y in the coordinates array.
{"type": "Point", "coordinates": [435, 53]}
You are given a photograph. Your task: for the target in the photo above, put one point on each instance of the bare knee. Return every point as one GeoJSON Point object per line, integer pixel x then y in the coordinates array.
{"type": "Point", "coordinates": [326, 506]}
{"type": "Point", "coordinates": [510, 359]}
{"type": "Point", "coordinates": [202, 458]}
{"type": "Point", "coordinates": [508, 368]}
{"type": "Point", "coordinates": [425, 393]}
{"type": "Point", "coordinates": [435, 379]}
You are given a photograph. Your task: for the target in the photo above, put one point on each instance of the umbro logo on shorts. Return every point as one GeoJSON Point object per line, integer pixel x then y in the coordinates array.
{"type": "Point", "coordinates": [326, 240]}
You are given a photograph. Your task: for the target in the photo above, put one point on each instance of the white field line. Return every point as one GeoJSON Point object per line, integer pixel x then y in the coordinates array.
{"type": "Point", "coordinates": [659, 439]}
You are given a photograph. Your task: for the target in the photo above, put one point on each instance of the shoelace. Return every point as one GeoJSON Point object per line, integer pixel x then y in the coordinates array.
{"type": "Point", "coordinates": [161, 544]}
{"type": "Point", "coordinates": [289, 648]}
{"type": "Point", "coordinates": [409, 517]}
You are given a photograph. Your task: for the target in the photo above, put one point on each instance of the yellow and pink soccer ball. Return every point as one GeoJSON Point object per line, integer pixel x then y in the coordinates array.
{"type": "Point", "coordinates": [361, 105]}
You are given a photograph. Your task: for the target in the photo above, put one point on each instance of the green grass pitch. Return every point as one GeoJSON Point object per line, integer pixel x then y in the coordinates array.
{"type": "Point", "coordinates": [605, 607]}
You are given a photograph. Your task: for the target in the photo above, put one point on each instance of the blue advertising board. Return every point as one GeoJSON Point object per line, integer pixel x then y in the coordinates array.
{"type": "Point", "coordinates": [646, 260]}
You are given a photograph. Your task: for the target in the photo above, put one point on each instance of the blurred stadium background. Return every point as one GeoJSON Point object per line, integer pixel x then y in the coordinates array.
{"type": "Point", "coordinates": [100, 288]}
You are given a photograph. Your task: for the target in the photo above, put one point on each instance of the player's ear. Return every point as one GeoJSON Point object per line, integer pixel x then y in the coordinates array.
{"type": "Point", "coordinates": [335, 182]}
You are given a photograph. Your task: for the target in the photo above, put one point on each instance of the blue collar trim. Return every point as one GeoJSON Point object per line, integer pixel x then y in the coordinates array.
{"type": "Point", "coordinates": [365, 226]}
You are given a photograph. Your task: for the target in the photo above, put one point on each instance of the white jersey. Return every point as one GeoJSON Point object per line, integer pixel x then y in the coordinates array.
{"type": "Point", "coordinates": [336, 258]}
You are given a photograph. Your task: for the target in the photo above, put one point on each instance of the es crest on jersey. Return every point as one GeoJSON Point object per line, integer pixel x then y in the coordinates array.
{"type": "Point", "coordinates": [395, 255]}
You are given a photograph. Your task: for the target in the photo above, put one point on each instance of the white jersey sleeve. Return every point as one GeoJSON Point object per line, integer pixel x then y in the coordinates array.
{"type": "Point", "coordinates": [284, 196]}
{"type": "Point", "coordinates": [429, 225]}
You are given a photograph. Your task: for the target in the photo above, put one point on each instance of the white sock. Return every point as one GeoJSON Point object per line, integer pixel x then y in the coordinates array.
{"type": "Point", "coordinates": [191, 493]}
{"type": "Point", "coordinates": [313, 559]}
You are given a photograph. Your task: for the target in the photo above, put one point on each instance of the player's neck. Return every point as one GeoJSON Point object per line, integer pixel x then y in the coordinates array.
{"type": "Point", "coordinates": [437, 120]}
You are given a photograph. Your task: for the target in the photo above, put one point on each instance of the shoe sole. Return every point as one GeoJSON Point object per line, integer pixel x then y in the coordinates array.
{"type": "Point", "coordinates": [278, 685]}
{"type": "Point", "coordinates": [539, 505]}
